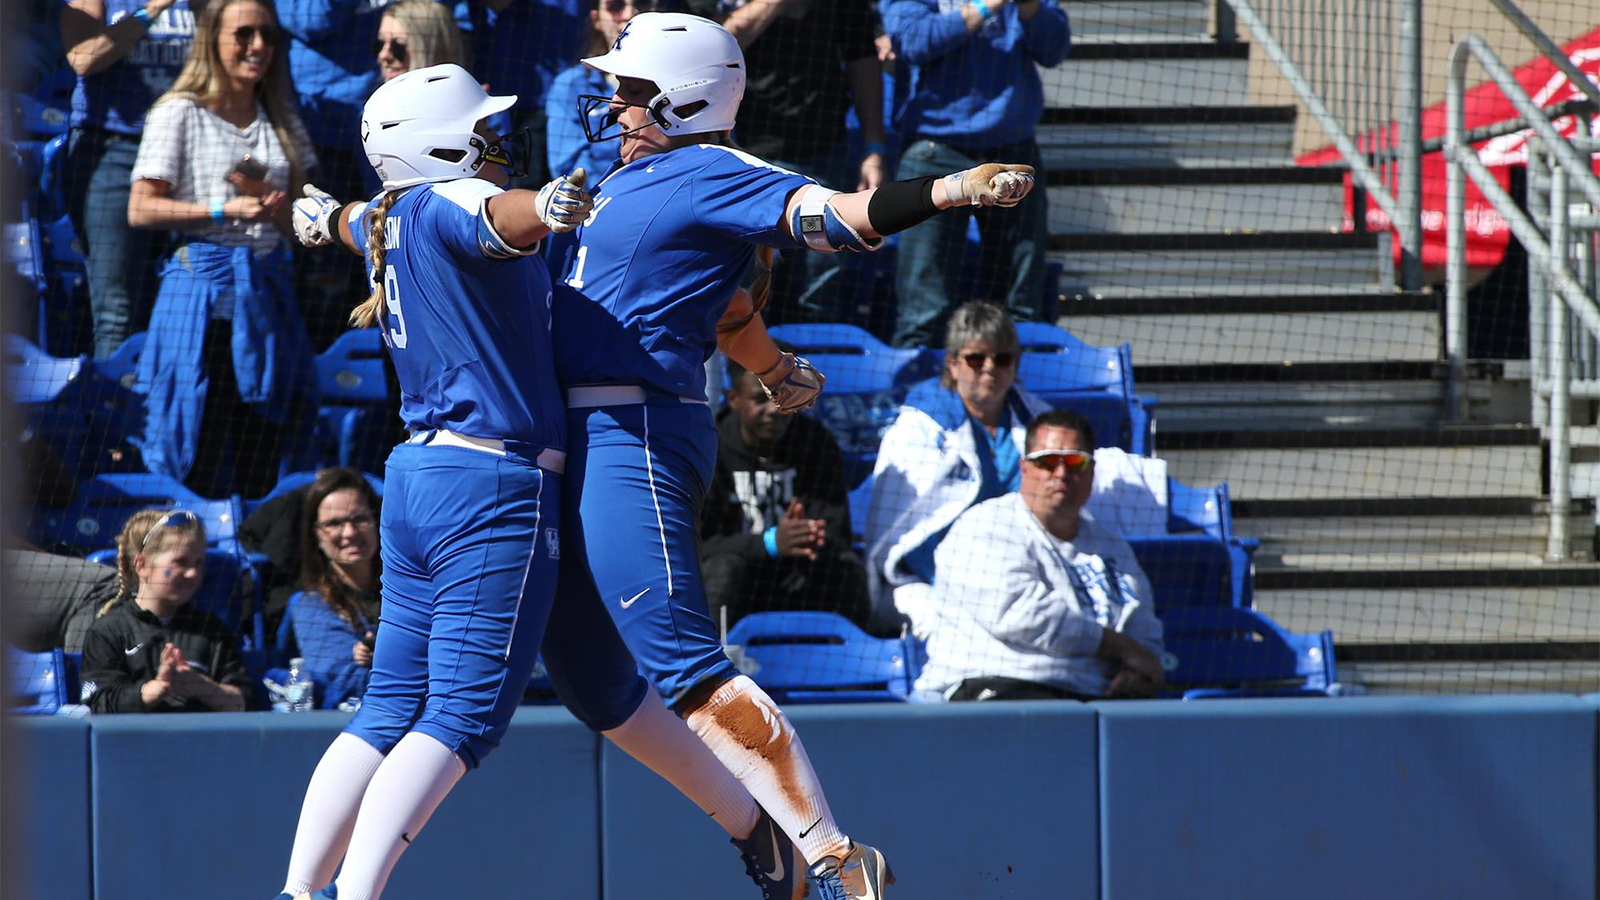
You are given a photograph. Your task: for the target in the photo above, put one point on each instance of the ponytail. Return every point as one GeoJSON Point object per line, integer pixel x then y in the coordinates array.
{"type": "Point", "coordinates": [366, 315]}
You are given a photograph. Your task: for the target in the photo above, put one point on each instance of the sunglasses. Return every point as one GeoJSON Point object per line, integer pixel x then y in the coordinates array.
{"type": "Point", "coordinates": [397, 47]}
{"type": "Point", "coordinates": [245, 35]}
{"type": "Point", "coordinates": [975, 360]}
{"type": "Point", "coordinates": [177, 518]}
{"type": "Point", "coordinates": [1049, 460]}
{"type": "Point", "coordinates": [616, 7]}
{"type": "Point", "coordinates": [361, 521]}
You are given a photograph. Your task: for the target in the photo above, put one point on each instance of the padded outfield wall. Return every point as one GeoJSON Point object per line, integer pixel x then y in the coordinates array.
{"type": "Point", "coordinates": [1472, 797]}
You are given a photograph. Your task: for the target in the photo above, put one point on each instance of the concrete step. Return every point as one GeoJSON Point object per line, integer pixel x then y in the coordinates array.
{"type": "Point", "coordinates": [1273, 329]}
{"type": "Point", "coordinates": [1144, 74]}
{"type": "Point", "coordinates": [1204, 406]}
{"type": "Point", "coordinates": [1122, 265]}
{"type": "Point", "coordinates": [1170, 136]}
{"type": "Point", "coordinates": [1359, 464]}
{"type": "Point", "coordinates": [1397, 535]}
{"type": "Point", "coordinates": [1493, 676]}
{"type": "Point", "coordinates": [1402, 615]}
{"type": "Point", "coordinates": [1277, 566]}
{"type": "Point", "coordinates": [1125, 21]}
{"type": "Point", "coordinates": [1185, 201]}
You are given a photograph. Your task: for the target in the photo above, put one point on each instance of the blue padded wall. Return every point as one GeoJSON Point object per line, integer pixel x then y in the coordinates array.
{"type": "Point", "coordinates": [49, 810]}
{"type": "Point", "coordinates": [1459, 797]}
{"type": "Point", "coordinates": [206, 805]}
{"type": "Point", "coordinates": [966, 800]}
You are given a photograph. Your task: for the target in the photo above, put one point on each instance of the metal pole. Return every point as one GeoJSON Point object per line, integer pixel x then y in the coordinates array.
{"type": "Point", "coordinates": [1455, 229]}
{"type": "Point", "coordinates": [1549, 48]}
{"type": "Point", "coordinates": [1538, 287]}
{"type": "Point", "coordinates": [1408, 134]}
{"type": "Point", "coordinates": [1560, 402]}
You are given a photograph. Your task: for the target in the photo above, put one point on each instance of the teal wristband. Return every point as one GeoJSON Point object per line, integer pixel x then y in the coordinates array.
{"type": "Point", "coordinates": [143, 17]}
{"type": "Point", "coordinates": [984, 12]}
{"type": "Point", "coordinates": [216, 211]}
{"type": "Point", "coordinates": [770, 539]}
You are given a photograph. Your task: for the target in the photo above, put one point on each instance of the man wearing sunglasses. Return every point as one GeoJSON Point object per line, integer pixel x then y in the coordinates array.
{"type": "Point", "coordinates": [1037, 600]}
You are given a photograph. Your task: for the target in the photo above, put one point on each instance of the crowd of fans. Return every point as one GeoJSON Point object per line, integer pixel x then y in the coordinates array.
{"type": "Point", "coordinates": [194, 121]}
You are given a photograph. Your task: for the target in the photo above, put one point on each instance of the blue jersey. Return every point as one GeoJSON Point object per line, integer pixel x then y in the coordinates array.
{"type": "Point", "coordinates": [117, 97]}
{"type": "Point", "coordinates": [470, 334]}
{"type": "Point", "coordinates": [657, 263]}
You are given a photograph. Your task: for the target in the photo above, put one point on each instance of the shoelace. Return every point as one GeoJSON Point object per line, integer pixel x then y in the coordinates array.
{"type": "Point", "coordinates": [830, 885]}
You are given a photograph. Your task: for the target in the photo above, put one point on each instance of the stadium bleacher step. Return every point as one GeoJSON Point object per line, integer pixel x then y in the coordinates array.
{"type": "Point", "coordinates": [1271, 328]}
{"type": "Point", "coordinates": [1126, 21]}
{"type": "Point", "coordinates": [1221, 199]}
{"type": "Point", "coordinates": [1150, 74]}
{"type": "Point", "coordinates": [1310, 541]}
{"type": "Point", "coordinates": [1104, 266]}
{"type": "Point", "coordinates": [1554, 603]}
{"type": "Point", "coordinates": [1101, 137]}
{"type": "Point", "coordinates": [1312, 464]}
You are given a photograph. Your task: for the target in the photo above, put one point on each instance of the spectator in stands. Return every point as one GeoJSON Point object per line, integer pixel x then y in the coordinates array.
{"type": "Point", "coordinates": [775, 527]}
{"type": "Point", "coordinates": [335, 617]}
{"type": "Point", "coordinates": [518, 47]}
{"type": "Point", "coordinates": [957, 442]}
{"type": "Point", "coordinates": [227, 349]}
{"type": "Point", "coordinates": [53, 598]}
{"type": "Point", "coordinates": [1035, 599]}
{"type": "Point", "coordinates": [566, 146]}
{"type": "Point", "coordinates": [807, 60]}
{"type": "Point", "coordinates": [976, 95]}
{"type": "Point", "coordinates": [125, 54]}
{"type": "Point", "coordinates": [330, 59]}
{"type": "Point", "coordinates": [150, 651]}
{"type": "Point", "coordinates": [415, 34]}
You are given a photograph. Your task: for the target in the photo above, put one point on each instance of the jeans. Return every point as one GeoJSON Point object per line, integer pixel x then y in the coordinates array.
{"type": "Point", "coordinates": [805, 283]}
{"type": "Point", "coordinates": [120, 261]}
{"type": "Point", "coordinates": [933, 276]}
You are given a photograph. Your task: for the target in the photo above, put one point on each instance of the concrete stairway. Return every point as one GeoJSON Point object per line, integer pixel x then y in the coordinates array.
{"type": "Point", "coordinates": [1287, 364]}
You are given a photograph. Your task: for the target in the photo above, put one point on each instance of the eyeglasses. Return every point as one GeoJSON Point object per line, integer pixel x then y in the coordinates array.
{"type": "Point", "coordinates": [361, 521]}
{"type": "Point", "coordinates": [616, 7]}
{"type": "Point", "coordinates": [177, 518]}
{"type": "Point", "coordinates": [245, 35]}
{"type": "Point", "coordinates": [397, 47]}
{"type": "Point", "coordinates": [1048, 460]}
{"type": "Point", "coordinates": [975, 360]}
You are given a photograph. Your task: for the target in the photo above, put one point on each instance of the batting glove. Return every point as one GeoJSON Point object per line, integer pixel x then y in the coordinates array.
{"type": "Point", "coordinates": [793, 383]}
{"type": "Point", "coordinates": [563, 204]}
{"type": "Point", "coordinates": [991, 184]}
{"type": "Point", "coordinates": [314, 216]}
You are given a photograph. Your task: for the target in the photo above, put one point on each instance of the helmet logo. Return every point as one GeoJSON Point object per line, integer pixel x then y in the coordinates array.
{"type": "Point", "coordinates": [621, 35]}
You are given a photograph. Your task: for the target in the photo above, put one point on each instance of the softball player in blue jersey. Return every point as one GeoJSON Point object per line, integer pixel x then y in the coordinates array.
{"type": "Point", "coordinates": [472, 516]}
{"type": "Point", "coordinates": [673, 231]}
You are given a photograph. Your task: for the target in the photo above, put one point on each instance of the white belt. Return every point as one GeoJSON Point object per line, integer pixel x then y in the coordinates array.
{"type": "Point", "coordinates": [550, 459]}
{"type": "Point", "coordinates": [585, 395]}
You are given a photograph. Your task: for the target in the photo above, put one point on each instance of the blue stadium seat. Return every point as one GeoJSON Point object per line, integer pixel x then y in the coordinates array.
{"type": "Point", "coordinates": [36, 683]}
{"type": "Point", "coordinates": [818, 657]}
{"type": "Point", "coordinates": [1185, 570]}
{"type": "Point", "coordinates": [867, 380]}
{"type": "Point", "coordinates": [1209, 510]}
{"type": "Point", "coordinates": [1230, 652]}
{"type": "Point", "coordinates": [56, 395]}
{"type": "Point", "coordinates": [34, 376]}
{"type": "Point", "coordinates": [354, 400]}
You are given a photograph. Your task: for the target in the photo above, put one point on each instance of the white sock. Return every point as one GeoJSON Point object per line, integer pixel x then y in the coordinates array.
{"type": "Point", "coordinates": [329, 812]}
{"type": "Point", "coordinates": [407, 788]}
{"type": "Point", "coordinates": [660, 740]}
{"type": "Point", "coordinates": [754, 739]}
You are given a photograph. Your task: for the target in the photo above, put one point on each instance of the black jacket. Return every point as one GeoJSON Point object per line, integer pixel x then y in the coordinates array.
{"type": "Point", "coordinates": [749, 493]}
{"type": "Point", "coordinates": [123, 651]}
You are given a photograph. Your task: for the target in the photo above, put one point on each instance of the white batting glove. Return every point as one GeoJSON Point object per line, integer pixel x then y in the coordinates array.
{"type": "Point", "coordinates": [563, 204]}
{"type": "Point", "coordinates": [314, 217]}
{"type": "Point", "coordinates": [793, 383]}
{"type": "Point", "coordinates": [991, 184]}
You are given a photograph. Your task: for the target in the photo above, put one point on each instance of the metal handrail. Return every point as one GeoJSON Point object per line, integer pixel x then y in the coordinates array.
{"type": "Point", "coordinates": [1566, 291]}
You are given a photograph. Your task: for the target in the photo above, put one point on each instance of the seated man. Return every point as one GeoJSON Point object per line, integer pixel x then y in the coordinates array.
{"type": "Point", "coordinates": [775, 528]}
{"type": "Point", "coordinates": [1035, 599]}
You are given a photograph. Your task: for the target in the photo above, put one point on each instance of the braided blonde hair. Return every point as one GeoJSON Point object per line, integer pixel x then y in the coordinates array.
{"type": "Point", "coordinates": [366, 315]}
{"type": "Point", "coordinates": [146, 531]}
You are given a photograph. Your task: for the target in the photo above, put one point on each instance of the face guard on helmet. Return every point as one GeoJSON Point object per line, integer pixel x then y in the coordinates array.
{"type": "Point", "coordinates": [422, 127]}
{"type": "Point", "coordinates": [696, 65]}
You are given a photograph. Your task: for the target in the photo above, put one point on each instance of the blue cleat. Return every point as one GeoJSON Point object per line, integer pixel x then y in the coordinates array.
{"type": "Point", "coordinates": [771, 861]}
{"type": "Point", "coordinates": [860, 874]}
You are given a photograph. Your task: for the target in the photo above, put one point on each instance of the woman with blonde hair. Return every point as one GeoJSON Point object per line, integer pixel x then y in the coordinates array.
{"type": "Point", "coordinates": [416, 34]}
{"type": "Point", "coordinates": [149, 650]}
{"type": "Point", "coordinates": [221, 152]}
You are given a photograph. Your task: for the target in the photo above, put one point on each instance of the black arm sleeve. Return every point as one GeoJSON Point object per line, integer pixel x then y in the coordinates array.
{"type": "Point", "coordinates": [898, 205]}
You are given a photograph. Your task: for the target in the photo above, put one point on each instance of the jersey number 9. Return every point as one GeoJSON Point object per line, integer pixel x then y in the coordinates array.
{"type": "Point", "coordinates": [391, 298]}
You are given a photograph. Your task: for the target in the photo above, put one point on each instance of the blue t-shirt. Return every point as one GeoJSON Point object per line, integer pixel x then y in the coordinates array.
{"type": "Point", "coordinates": [657, 263]}
{"type": "Point", "coordinates": [331, 61]}
{"type": "Point", "coordinates": [470, 335]}
{"type": "Point", "coordinates": [117, 97]}
{"type": "Point", "coordinates": [566, 146]}
{"type": "Point", "coordinates": [520, 49]}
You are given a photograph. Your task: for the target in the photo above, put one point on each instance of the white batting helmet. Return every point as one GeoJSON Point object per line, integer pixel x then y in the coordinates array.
{"type": "Point", "coordinates": [695, 62]}
{"type": "Point", "coordinates": [420, 127]}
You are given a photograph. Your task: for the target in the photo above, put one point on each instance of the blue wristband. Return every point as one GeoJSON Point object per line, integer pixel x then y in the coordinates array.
{"type": "Point", "coordinates": [875, 147]}
{"type": "Point", "coordinates": [143, 16]}
{"type": "Point", "coordinates": [984, 12]}
{"type": "Point", "coordinates": [216, 211]}
{"type": "Point", "coordinates": [770, 539]}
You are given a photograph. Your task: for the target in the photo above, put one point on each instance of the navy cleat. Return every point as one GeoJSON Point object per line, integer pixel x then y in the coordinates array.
{"type": "Point", "coordinates": [771, 861]}
{"type": "Point", "coordinates": [860, 874]}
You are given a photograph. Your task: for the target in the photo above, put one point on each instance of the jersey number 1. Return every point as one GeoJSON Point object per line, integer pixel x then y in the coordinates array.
{"type": "Point", "coordinates": [391, 299]}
